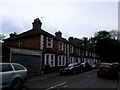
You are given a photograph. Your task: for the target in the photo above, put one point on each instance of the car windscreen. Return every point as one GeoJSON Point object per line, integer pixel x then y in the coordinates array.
{"type": "Point", "coordinates": [105, 66]}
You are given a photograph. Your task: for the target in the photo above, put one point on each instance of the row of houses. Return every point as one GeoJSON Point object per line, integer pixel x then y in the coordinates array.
{"type": "Point", "coordinates": [41, 51]}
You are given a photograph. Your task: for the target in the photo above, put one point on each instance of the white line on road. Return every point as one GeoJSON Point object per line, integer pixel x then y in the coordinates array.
{"type": "Point", "coordinates": [56, 86]}
{"type": "Point", "coordinates": [65, 86]}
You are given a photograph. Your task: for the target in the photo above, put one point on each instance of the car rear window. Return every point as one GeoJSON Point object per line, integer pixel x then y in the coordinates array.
{"type": "Point", "coordinates": [18, 67]}
{"type": "Point", "coordinates": [6, 67]}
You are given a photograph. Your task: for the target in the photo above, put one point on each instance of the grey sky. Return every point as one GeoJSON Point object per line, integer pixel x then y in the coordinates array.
{"type": "Point", "coordinates": [77, 18]}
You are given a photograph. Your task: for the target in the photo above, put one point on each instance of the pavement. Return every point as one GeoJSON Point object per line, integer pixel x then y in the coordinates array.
{"type": "Point", "coordinates": [43, 76]}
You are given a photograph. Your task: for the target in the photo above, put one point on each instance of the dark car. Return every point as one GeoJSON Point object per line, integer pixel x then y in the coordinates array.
{"type": "Point", "coordinates": [72, 68]}
{"type": "Point", "coordinates": [108, 70]}
{"type": "Point", "coordinates": [86, 66]}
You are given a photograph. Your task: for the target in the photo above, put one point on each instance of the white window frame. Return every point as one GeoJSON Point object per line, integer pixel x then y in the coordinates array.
{"type": "Point", "coordinates": [62, 61]}
{"type": "Point", "coordinates": [83, 53]}
{"type": "Point", "coordinates": [86, 53]}
{"type": "Point", "coordinates": [41, 41]}
{"type": "Point", "coordinates": [20, 43]}
{"type": "Point", "coordinates": [77, 51]}
{"type": "Point", "coordinates": [78, 59]}
{"type": "Point", "coordinates": [49, 42]}
{"type": "Point", "coordinates": [71, 49]}
{"type": "Point", "coordinates": [65, 48]}
{"type": "Point", "coordinates": [71, 60]}
{"type": "Point", "coordinates": [50, 60]}
{"type": "Point", "coordinates": [61, 46]}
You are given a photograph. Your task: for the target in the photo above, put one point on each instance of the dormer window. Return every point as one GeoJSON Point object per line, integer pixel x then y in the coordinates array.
{"type": "Point", "coordinates": [49, 42]}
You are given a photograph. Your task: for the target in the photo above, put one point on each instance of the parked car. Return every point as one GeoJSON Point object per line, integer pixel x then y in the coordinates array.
{"type": "Point", "coordinates": [86, 66]}
{"type": "Point", "coordinates": [109, 70]}
{"type": "Point", "coordinates": [94, 66]}
{"type": "Point", "coordinates": [71, 68]}
{"type": "Point", "coordinates": [13, 75]}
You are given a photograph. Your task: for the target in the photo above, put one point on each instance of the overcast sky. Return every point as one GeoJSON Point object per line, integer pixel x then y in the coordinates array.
{"type": "Point", "coordinates": [77, 18]}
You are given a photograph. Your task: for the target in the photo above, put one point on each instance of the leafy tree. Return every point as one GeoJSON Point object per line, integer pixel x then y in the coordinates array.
{"type": "Point", "coordinates": [115, 34]}
{"type": "Point", "coordinates": [2, 36]}
{"type": "Point", "coordinates": [106, 46]}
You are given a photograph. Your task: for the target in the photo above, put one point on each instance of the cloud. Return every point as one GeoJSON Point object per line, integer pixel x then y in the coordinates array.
{"type": "Point", "coordinates": [72, 18]}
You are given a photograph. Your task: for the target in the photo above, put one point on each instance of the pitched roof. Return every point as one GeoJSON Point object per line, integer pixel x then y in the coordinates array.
{"type": "Point", "coordinates": [33, 32]}
{"type": "Point", "coordinates": [30, 33]}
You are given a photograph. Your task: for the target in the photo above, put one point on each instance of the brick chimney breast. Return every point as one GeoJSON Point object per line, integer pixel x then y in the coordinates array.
{"type": "Point", "coordinates": [37, 24]}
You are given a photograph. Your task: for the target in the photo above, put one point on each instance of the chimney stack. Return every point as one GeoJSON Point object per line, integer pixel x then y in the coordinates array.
{"type": "Point", "coordinates": [13, 34]}
{"type": "Point", "coordinates": [58, 34]}
{"type": "Point", "coordinates": [37, 24]}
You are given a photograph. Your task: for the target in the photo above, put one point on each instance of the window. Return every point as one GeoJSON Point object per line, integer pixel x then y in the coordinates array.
{"type": "Point", "coordinates": [63, 63]}
{"type": "Point", "coordinates": [49, 43]}
{"type": "Point", "coordinates": [52, 62]}
{"type": "Point", "coordinates": [77, 51]}
{"type": "Point", "coordinates": [77, 60]}
{"type": "Point", "coordinates": [61, 46]}
{"type": "Point", "coordinates": [20, 43]}
{"type": "Point", "coordinates": [18, 67]}
{"type": "Point", "coordinates": [50, 59]}
{"type": "Point", "coordinates": [71, 59]}
{"type": "Point", "coordinates": [6, 67]}
{"type": "Point", "coordinates": [82, 52]}
{"type": "Point", "coordinates": [71, 49]}
{"type": "Point", "coordinates": [86, 53]}
{"type": "Point", "coordinates": [61, 60]}
{"type": "Point", "coordinates": [47, 59]}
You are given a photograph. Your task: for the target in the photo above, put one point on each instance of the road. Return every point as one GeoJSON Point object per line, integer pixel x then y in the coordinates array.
{"type": "Point", "coordinates": [83, 80]}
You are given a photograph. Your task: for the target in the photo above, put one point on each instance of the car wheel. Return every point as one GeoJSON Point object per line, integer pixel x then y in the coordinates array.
{"type": "Point", "coordinates": [16, 84]}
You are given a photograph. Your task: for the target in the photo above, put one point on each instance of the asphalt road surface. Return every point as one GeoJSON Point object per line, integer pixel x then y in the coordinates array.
{"type": "Point", "coordinates": [83, 80]}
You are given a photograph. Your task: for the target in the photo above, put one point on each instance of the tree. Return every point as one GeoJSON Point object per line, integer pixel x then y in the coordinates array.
{"type": "Point", "coordinates": [106, 46]}
{"type": "Point", "coordinates": [114, 34]}
{"type": "Point", "coordinates": [2, 36]}
{"type": "Point", "coordinates": [102, 35]}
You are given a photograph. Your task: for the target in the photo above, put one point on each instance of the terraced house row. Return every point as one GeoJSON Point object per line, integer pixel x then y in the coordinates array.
{"type": "Point", "coordinates": [41, 51]}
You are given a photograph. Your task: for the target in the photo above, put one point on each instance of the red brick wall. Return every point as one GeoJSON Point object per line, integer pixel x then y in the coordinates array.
{"type": "Point", "coordinates": [28, 42]}
{"type": "Point", "coordinates": [32, 42]}
{"type": "Point", "coordinates": [11, 43]}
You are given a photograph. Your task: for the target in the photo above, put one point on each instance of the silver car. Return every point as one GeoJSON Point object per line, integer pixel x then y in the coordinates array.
{"type": "Point", "coordinates": [12, 75]}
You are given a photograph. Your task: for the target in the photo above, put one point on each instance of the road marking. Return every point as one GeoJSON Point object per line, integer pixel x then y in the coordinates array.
{"type": "Point", "coordinates": [65, 86]}
{"type": "Point", "coordinates": [56, 86]}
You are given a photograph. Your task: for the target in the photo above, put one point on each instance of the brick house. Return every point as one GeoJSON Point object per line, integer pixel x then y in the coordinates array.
{"type": "Point", "coordinates": [40, 51]}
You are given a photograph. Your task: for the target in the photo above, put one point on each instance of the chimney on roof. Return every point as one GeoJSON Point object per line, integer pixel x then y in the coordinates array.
{"type": "Point", "coordinates": [37, 24]}
{"type": "Point", "coordinates": [58, 34]}
{"type": "Point", "coordinates": [13, 34]}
